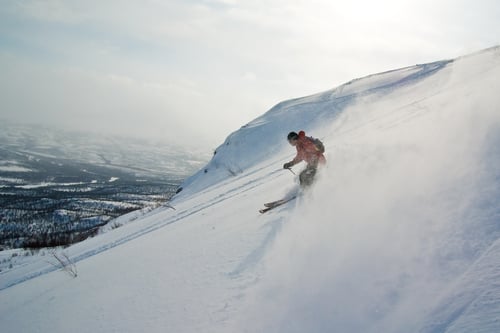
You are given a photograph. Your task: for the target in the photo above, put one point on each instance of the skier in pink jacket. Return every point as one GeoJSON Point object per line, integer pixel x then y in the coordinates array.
{"type": "Point", "coordinates": [309, 150]}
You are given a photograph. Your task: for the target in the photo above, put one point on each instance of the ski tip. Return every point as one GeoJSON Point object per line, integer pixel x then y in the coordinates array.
{"type": "Point", "coordinates": [265, 210]}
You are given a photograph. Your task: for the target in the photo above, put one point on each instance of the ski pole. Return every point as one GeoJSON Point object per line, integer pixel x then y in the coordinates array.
{"type": "Point", "coordinates": [290, 169]}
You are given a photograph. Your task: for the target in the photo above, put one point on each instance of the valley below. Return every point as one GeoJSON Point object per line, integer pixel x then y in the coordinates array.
{"type": "Point", "coordinates": [58, 188]}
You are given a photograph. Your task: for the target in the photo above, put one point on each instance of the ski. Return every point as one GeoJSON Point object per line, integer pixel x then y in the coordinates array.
{"type": "Point", "coordinates": [274, 204]}
{"type": "Point", "coordinates": [277, 202]}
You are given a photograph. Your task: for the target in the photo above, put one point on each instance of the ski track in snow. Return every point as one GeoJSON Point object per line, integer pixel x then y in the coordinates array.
{"type": "Point", "coordinates": [248, 184]}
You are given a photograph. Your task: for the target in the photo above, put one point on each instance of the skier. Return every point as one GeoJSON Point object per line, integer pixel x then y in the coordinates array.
{"type": "Point", "coordinates": [309, 150]}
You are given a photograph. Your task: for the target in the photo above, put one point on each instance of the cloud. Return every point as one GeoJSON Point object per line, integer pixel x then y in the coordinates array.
{"type": "Point", "coordinates": [291, 49]}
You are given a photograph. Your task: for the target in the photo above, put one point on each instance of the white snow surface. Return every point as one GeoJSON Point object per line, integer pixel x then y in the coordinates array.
{"type": "Point", "coordinates": [399, 234]}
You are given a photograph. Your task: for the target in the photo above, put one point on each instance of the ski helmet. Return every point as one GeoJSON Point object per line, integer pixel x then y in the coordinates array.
{"type": "Point", "coordinates": [292, 136]}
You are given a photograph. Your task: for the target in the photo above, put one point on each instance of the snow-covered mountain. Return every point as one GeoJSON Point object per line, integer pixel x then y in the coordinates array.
{"type": "Point", "coordinates": [400, 233]}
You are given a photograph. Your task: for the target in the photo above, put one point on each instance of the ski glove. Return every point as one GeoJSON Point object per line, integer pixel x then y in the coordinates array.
{"type": "Point", "coordinates": [288, 165]}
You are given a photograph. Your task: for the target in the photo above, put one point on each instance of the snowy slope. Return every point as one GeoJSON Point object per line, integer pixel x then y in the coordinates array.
{"type": "Point", "coordinates": [400, 234]}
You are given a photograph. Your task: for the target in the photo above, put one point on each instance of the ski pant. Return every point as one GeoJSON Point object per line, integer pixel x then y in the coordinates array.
{"type": "Point", "coordinates": [306, 177]}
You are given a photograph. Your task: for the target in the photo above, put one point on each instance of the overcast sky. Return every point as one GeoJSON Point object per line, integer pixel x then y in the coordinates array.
{"type": "Point", "coordinates": [196, 70]}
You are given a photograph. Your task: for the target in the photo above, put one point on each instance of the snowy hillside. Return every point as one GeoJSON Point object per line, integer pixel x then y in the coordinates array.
{"type": "Point", "coordinates": [400, 234]}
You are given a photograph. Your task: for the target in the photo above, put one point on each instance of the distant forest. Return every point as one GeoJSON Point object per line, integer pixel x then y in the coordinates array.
{"type": "Point", "coordinates": [55, 215]}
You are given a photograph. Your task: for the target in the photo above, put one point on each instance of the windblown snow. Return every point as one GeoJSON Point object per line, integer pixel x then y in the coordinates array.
{"type": "Point", "coordinates": [401, 232]}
